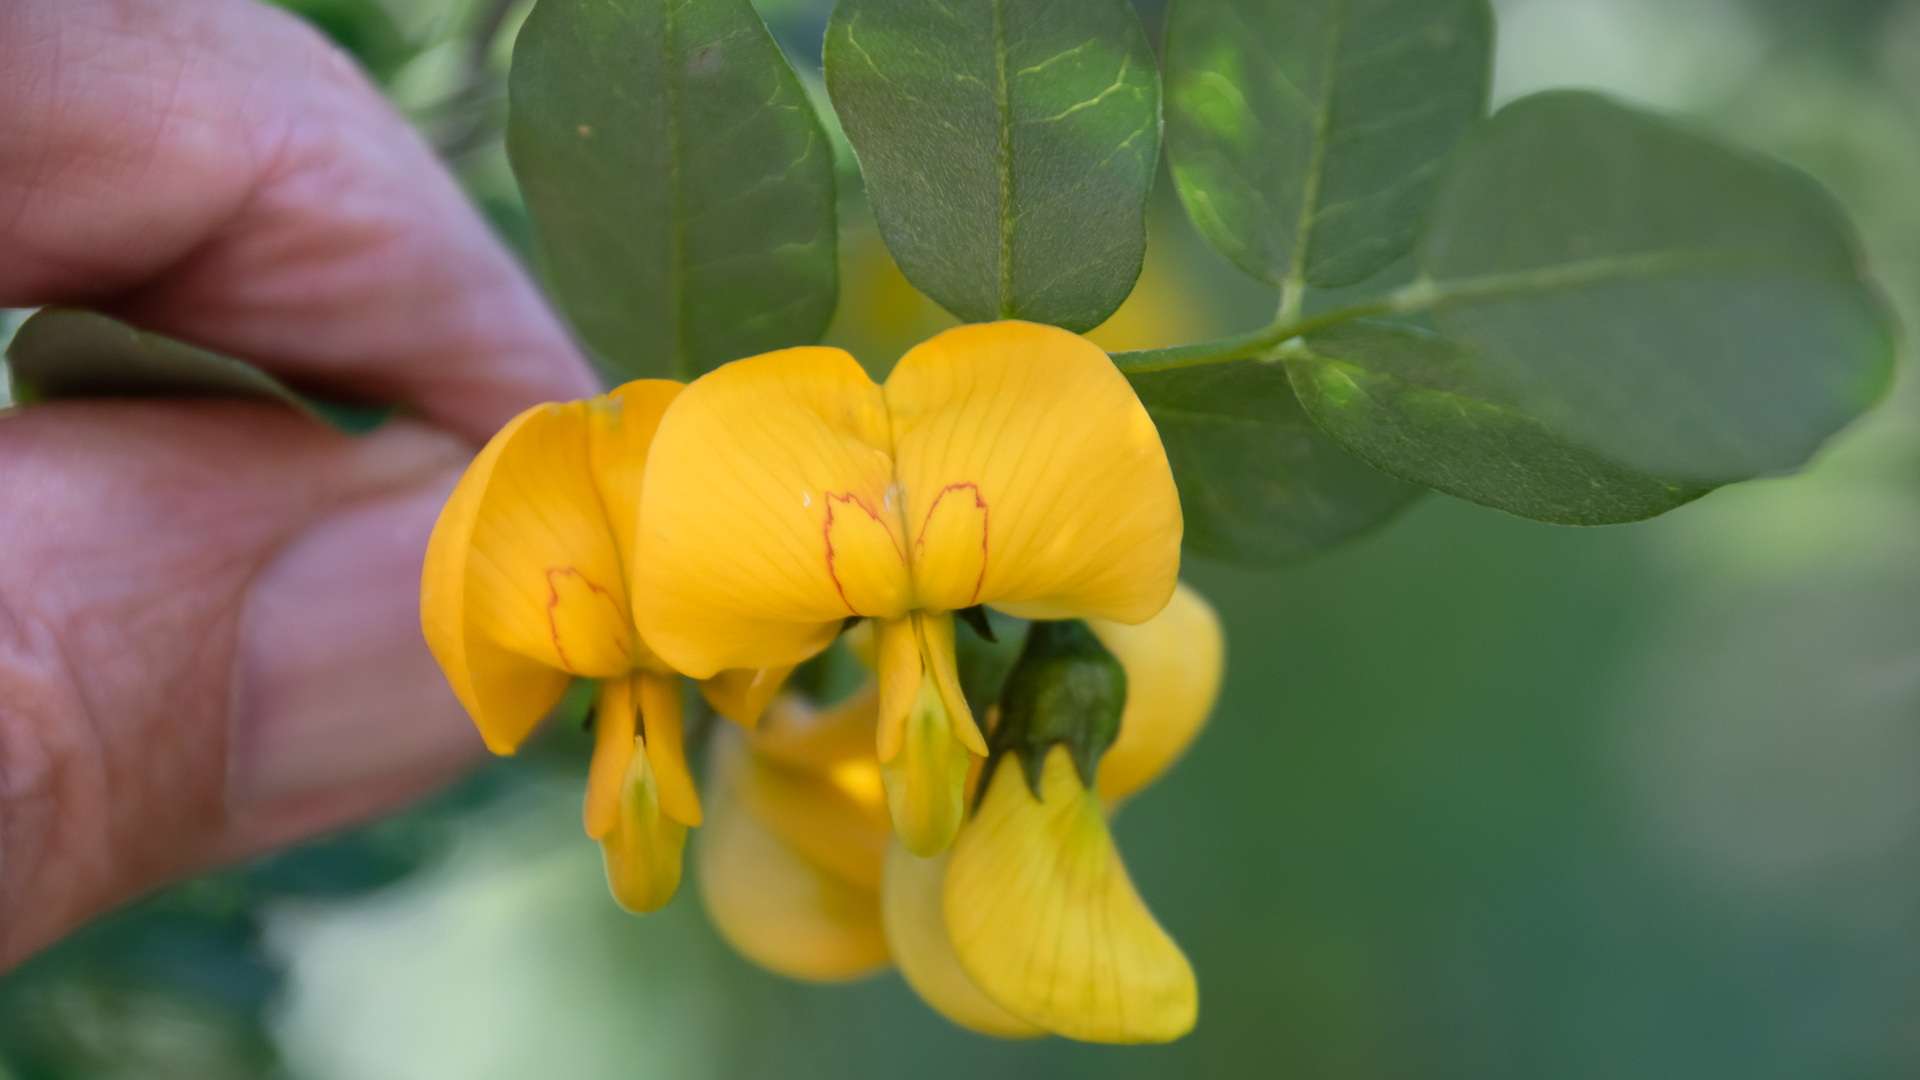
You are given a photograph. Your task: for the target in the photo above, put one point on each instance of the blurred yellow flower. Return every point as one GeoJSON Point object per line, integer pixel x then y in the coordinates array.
{"type": "Point", "coordinates": [526, 587]}
{"type": "Point", "coordinates": [790, 860]}
{"type": "Point", "coordinates": [1006, 464]}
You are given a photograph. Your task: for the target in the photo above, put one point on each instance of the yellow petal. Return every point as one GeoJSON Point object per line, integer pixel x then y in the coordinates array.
{"type": "Point", "coordinates": [642, 853]}
{"type": "Point", "coordinates": [799, 734]}
{"type": "Point", "coordinates": [926, 779]}
{"type": "Point", "coordinates": [1033, 478]}
{"type": "Point", "coordinates": [910, 906]}
{"type": "Point", "coordinates": [1173, 663]}
{"type": "Point", "coordinates": [613, 748]}
{"type": "Point", "coordinates": [1047, 923]}
{"type": "Point", "coordinates": [621, 424]}
{"type": "Point", "coordinates": [901, 669]}
{"type": "Point", "coordinates": [775, 907]}
{"type": "Point", "coordinates": [936, 645]}
{"type": "Point", "coordinates": [661, 707]}
{"type": "Point", "coordinates": [741, 696]}
{"type": "Point", "coordinates": [524, 584]}
{"type": "Point", "coordinates": [767, 515]}
{"type": "Point", "coordinates": [829, 820]}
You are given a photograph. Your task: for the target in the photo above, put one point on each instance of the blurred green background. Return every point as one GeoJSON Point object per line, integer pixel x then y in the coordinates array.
{"type": "Point", "coordinates": [1483, 798]}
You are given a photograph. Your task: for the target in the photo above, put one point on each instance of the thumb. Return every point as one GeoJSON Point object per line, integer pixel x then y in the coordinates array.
{"type": "Point", "coordinates": [209, 644]}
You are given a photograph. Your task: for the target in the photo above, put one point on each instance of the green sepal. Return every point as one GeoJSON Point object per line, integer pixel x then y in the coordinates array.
{"type": "Point", "coordinates": [1066, 690]}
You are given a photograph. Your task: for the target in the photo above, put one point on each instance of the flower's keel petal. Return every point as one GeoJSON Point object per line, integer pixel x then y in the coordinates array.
{"type": "Point", "coordinates": [661, 709]}
{"type": "Point", "coordinates": [910, 904]}
{"type": "Point", "coordinates": [901, 671]}
{"type": "Point", "coordinates": [642, 853]}
{"type": "Point", "coordinates": [926, 778]}
{"type": "Point", "coordinates": [1173, 662]}
{"type": "Point", "coordinates": [777, 908]}
{"type": "Point", "coordinates": [768, 514]}
{"type": "Point", "coordinates": [936, 647]}
{"type": "Point", "coordinates": [740, 695]}
{"type": "Point", "coordinates": [613, 749]}
{"type": "Point", "coordinates": [1047, 923]}
{"type": "Point", "coordinates": [1034, 479]}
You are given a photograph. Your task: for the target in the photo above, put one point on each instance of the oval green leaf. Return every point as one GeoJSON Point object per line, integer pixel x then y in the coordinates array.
{"type": "Point", "coordinates": [1259, 483]}
{"type": "Point", "coordinates": [1682, 307]}
{"type": "Point", "coordinates": [1307, 136]}
{"type": "Point", "coordinates": [1007, 146]}
{"type": "Point", "coordinates": [678, 179]}
{"type": "Point", "coordinates": [1408, 402]}
{"type": "Point", "coordinates": [65, 354]}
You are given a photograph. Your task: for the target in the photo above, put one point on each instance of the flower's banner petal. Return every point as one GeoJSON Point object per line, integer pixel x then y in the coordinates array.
{"type": "Point", "coordinates": [835, 819]}
{"type": "Point", "coordinates": [1260, 485]}
{"type": "Point", "coordinates": [1033, 478]}
{"type": "Point", "coordinates": [1306, 137]}
{"type": "Point", "coordinates": [524, 586]}
{"type": "Point", "coordinates": [1408, 401]}
{"type": "Point", "coordinates": [936, 648]}
{"type": "Point", "coordinates": [1684, 308]}
{"type": "Point", "coordinates": [910, 906]}
{"type": "Point", "coordinates": [681, 184]}
{"type": "Point", "coordinates": [1174, 662]}
{"type": "Point", "coordinates": [642, 853]}
{"type": "Point", "coordinates": [620, 427]}
{"type": "Point", "coordinates": [901, 667]}
{"type": "Point", "coordinates": [740, 695]}
{"type": "Point", "coordinates": [779, 910]}
{"type": "Point", "coordinates": [613, 750]}
{"type": "Point", "coordinates": [798, 734]}
{"type": "Point", "coordinates": [1007, 147]}
{"type": "Point", "coordinates": [926, 779]}
{"type": "Point", "coordinates": [662, 704]}
{"type": "Point", "coordinates": [767, 517]}
{"type": "Point", "coordinates": [1046, 921]}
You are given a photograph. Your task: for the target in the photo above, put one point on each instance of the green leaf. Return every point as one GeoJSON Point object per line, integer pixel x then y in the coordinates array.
{"type": "Point", "coordinates": [1307, 136]}
{"type": "Point", "coordinates": [1008, 147]}
{"type": "Point", "coordinates": [678, 179]}
{"type": "Point", "coordinates": [1259, 483]}
{"type": "Point", "coordinates": [1680, 306]}
{"type": "Point", "coordinates": [62, 354]}
{"type": "Point", "coordinates": [1409, 403]}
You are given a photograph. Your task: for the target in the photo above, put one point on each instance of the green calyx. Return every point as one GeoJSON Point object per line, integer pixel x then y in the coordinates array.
{"type": "Point", "coordinates": [1065, 690]}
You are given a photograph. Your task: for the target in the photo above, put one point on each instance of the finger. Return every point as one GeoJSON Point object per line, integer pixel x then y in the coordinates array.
{"type": "Point", "coordinates": [214, 170]}
{"type": "Point", "coordinates": [209, 644]}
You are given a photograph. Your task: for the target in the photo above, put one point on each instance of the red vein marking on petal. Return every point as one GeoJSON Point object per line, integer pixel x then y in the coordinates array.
{"type": "Point", "coordinates": [979, 501]}
{"type": "Point", "coordinates": [826, 531]}
{"type": "Point", "coordinates": [553, 605]}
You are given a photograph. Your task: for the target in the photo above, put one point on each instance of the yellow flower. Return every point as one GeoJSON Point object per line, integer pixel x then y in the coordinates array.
{"type": "Point", "coordinates": [1030, 923]}
{"type": "Point", "coordinates": [790, 860]}
{"type": "Point", "coordinates": [1006, 464]}
{"type": "Point", "coordinates": [527, 586]}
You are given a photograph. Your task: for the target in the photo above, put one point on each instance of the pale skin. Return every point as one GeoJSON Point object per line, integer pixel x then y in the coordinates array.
{"type": "Point", "coordinates": [209, 634]}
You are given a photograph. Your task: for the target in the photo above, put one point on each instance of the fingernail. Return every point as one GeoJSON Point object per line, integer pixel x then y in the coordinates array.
{"type": "Point", "coordinates": [337, 699]}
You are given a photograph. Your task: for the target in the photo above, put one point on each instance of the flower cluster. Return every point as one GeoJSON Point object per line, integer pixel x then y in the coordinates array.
{"type": "Point", "coordinates": [735, 528]}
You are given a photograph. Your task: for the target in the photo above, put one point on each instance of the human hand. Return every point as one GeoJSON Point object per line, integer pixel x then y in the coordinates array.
{"type": "Point", "coordinates": [209, 636]}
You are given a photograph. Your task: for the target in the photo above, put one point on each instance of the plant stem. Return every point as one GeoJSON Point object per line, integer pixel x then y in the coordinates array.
{"type": "Point", "coordinates": [1262, 344]}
